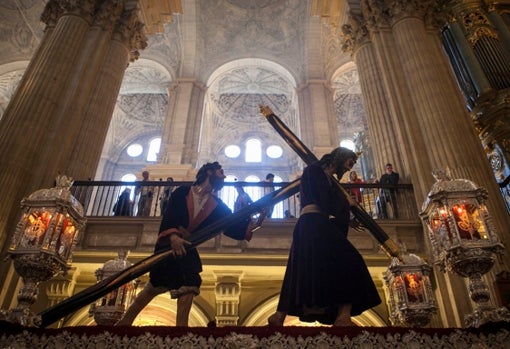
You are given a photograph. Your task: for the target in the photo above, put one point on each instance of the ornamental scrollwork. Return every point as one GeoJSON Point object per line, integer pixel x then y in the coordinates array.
{"type": "Point", "coordinates": [354, 34]}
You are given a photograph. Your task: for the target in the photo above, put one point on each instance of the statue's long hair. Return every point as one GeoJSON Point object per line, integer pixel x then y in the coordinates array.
{"type": "Point", "coordinates": [337, 158]}
{"type": "Point", "coordinates": [202, 173]}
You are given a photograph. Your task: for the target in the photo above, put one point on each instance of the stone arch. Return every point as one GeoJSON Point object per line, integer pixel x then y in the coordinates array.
{"type": "Point", "coordinates": [140, 111]}
{"type": "Point", "coordinates": [10, 76]}
{"type": "Point", "coordinates": [350, 114]}
{"type": "Point", "coordinates": [231, 109]}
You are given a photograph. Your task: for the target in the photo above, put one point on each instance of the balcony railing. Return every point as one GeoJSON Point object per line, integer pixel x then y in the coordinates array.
{"type": "Point", "coordinates": [100, 197]}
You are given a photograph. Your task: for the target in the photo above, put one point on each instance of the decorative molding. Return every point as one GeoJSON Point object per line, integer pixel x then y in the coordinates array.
{"type": "Point", "coordinates": [254, 337]}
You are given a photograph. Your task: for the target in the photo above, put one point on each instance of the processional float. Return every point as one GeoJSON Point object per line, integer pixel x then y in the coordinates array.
{"type": "Point", "coordinates": [111, 283]}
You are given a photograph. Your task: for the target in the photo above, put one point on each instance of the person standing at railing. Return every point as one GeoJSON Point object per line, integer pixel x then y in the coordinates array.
{"type": "Point", "coordinates": [243, 199]}
{"type": "Point", "coordinates": [388, 196]}
{"type": "Point", "coordinates": [326, 278]}
{"type": "Point", "coordinates": [145, 193]}
{"type": "Point", "coordinates": [165, 198]}
{"type": "Point", "coordinates": [356, 191]}
{"type": "Point", "coordinates": [124, 205]}
{"type": "Point", "coordinates": [190, 209]}
{"type": "Point", "coordinates": [269, 179]}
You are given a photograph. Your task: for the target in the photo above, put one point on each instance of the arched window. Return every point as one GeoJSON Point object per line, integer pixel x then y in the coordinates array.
{"type": "Point", "coordinates": [348, 143]}
{"type": "Point", "coordinates": [128, 177]}
{"type": "Point", "coordinates": [154, 146]}
{"type": "Point", "coordinates": [253, 151]}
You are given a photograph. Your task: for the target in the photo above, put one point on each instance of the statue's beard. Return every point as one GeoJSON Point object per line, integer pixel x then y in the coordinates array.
{"type": "Point", "coordinates": [216, 182]}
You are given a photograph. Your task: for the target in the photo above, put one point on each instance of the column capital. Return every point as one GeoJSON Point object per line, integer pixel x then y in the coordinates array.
{"type": "Point", "coordinates": [108, 14]}
{"type": "Point", "coordinates": [355, 34]}
{"type": "Point", "coordinates": [383, 14]}
{"type": "Point", "coordinates": [55, 9]}
{"type": "Point", "coordinates": [130, 32]}
{"type": "Point", "coordinates": [52, 12]}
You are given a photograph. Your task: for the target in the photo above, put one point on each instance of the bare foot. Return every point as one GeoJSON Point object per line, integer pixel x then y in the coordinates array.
{"type": "Point", "coordinates": [276, 319]}
{"type": "Point", "coordinates": [344, 323]}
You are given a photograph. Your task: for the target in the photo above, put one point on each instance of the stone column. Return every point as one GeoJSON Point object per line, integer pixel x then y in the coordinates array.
{"type": "Point", "coordinates": [175, 137]}
{"type": "Point", "coordinates": [36, 106]}
{"type": "Point", "coordinates": [409, 88]}
{"type": "Point", "coordinates": [381, 107]}
{"type": "Point", "coordinates": [59, 288]}
{"type": "Point", "coordinates": [181, 132]}
{"type": "Point", "coordinates": [320, 128]}
{"type": "Point", "coordinates": [127, 38]}
{"type": "Point", "coordinates": [65, 98]}
{"type": "Point", "coordinates": [439, 110]}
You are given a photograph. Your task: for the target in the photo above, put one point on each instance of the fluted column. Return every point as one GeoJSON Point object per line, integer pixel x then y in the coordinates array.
{"type": "Point", "coordinates": [60, 288]}
{"type": "Point", "coordinates": [36, 106]}
{"type": "Point", "coordinates": [164, 152]}
{"type": "Point", "coordinates": [65, 98]}
{"type": "Point", "coordinates": [127, 39]}
{"type": "Point", "coordinates": [413, 100]}
{"type": "Point", "coordinates": [381, 107]}
{"type": "Point", "coordinates": [439, 109]}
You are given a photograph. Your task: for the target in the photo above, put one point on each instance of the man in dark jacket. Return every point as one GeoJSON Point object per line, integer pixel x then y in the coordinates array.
{"type": "Point", "coordinates": [388, 196]}
{"type": "Point", "coordinates": [190, 208]}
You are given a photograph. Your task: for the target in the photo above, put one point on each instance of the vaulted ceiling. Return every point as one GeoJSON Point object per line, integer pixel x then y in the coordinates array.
{"type": "Point", "coordinates": [284, 44]}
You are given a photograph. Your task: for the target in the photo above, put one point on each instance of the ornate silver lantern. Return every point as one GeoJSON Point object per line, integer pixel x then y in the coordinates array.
{"type": "Point", "coordinates": [464, 239]}
{"type": "Point", "coordinates": [411, 299]}
{"type": "Point", "coordinates": [110, 308]}
{"type": "Point", "coordinates": [43, 243]}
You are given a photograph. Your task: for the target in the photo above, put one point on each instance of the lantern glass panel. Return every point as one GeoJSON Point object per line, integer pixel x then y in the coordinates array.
{"type": "Point", "coordinates": [438, 223]}
{"type": "Point", "coordinates": [67, 235]}
{"type": "Point", "coordinates": [469, 221]}
{"type": "Point", "coordinates": [37, 224]}
{"type": "Point", "coordinates": [414, 287]}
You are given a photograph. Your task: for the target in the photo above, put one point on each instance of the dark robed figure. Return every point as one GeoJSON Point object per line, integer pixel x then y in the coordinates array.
{"type": "Point", "coordinates": [326, 279]}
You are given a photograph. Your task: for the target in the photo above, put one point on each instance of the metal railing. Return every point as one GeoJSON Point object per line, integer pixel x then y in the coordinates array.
{"type": "Point", "coordinates": [99, 198]}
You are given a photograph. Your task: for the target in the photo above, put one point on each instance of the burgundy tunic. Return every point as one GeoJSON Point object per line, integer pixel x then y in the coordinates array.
{"type": "Point", "coordinates": [184, 271]}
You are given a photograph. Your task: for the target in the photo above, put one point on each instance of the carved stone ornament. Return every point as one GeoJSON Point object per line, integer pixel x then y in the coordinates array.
{"type": "Point", "coordinates": [234, 340]}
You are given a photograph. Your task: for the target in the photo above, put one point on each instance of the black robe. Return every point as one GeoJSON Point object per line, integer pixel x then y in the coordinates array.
{"type": "Point", "coordinates": [324, 269]}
